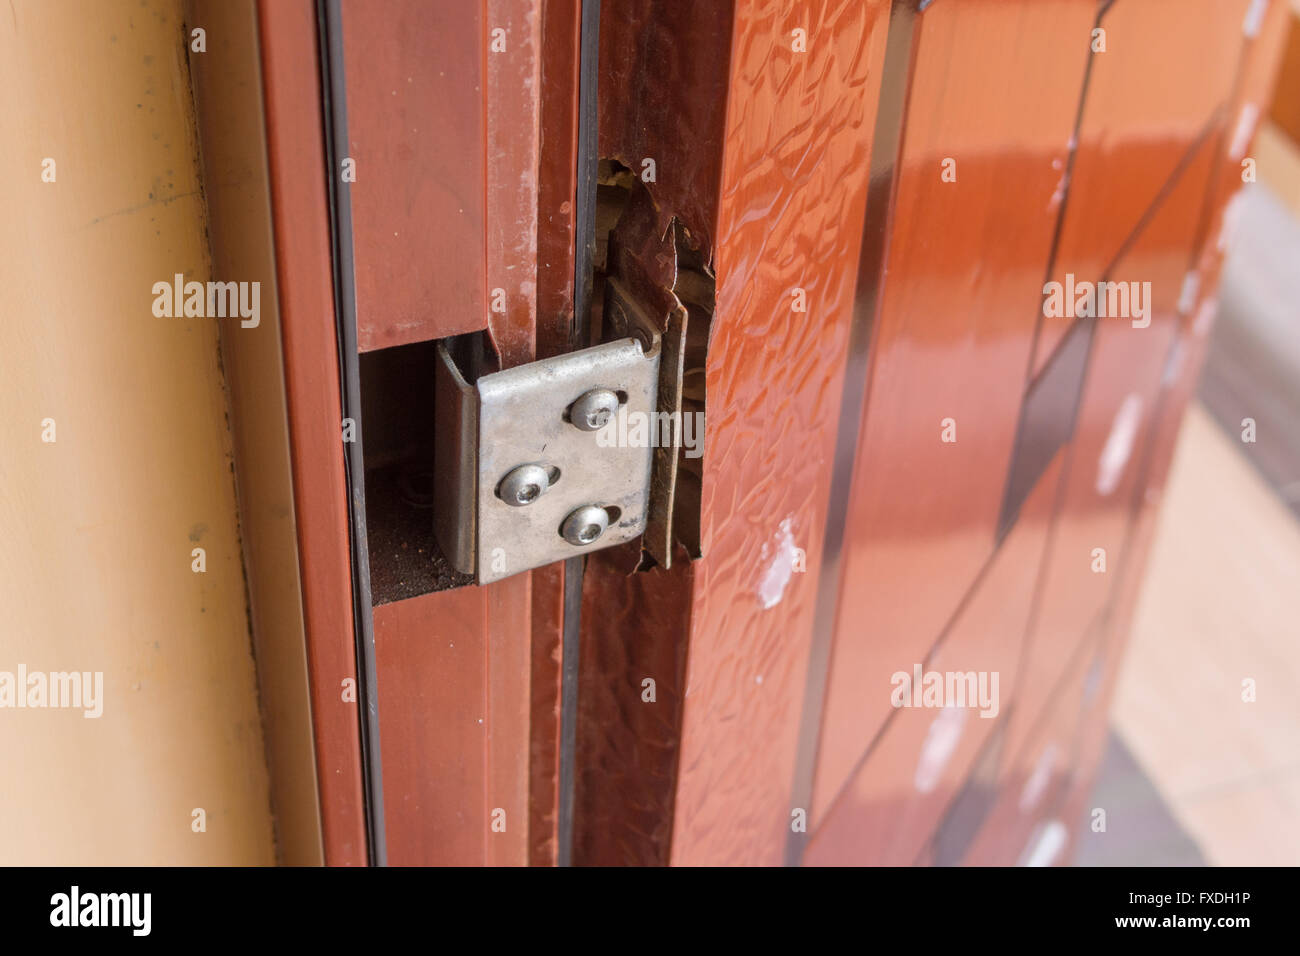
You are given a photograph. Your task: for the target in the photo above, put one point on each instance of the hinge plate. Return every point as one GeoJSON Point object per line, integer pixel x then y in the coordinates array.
{"type": "Point", "coordinates": [520, 417]}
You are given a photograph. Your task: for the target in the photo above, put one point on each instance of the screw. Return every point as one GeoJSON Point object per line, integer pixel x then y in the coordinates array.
{"type": "Point", "coordinates": [594, 409]}
{"type": "Point", "coordinates": [585, 525]}
{"type": "Point", "coordinates": [524, 485]}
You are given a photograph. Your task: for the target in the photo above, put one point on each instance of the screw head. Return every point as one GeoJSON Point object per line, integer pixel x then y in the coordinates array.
{"type": "Point", "coordinates": [524, 485]}
{"type": "Point", "coordinates": [585, 525]}
{"type": "Point", "coordinates": [594, 409]}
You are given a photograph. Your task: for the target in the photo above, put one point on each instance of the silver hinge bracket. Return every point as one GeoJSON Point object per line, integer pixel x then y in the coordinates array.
{"type": "Point", "coordinates": [534, 463]}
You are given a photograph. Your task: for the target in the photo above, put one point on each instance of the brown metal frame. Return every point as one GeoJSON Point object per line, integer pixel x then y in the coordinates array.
{"type": "Point", "coordinates": [300, 207]}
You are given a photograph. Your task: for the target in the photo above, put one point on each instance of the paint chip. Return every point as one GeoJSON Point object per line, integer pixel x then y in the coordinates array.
{"type": "Point", "coordinates": [777, 576]}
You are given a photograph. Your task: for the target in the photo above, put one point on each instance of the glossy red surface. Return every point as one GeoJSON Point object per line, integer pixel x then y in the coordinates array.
{"type": "Point", "coordinates": [952, 341]}
{"type": "Point", "coordinates": [1129, 365]}
{"type": "Point", "coordinates": [797, 139]}
{"type": "Point", "coordinates": [1261, 58]}
{"type": "Point", "coordinates": [895, 797]}
{"type": "Point", "coordinates": [1113, 427]}
{"type": "Point", "coordinates": [1032, 784]}
{"type": "Point", "coordinates": [1168, 65]}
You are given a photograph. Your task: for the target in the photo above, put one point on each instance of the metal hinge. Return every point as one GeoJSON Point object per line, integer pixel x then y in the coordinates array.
{"type": "Point", "coordinates": [527, 472]}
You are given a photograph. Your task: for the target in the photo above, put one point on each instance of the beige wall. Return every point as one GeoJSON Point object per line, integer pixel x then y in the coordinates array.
{"type": "Point", "coordinates": [96, 528]}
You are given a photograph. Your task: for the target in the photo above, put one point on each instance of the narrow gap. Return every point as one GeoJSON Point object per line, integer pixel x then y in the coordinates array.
{"type": "Point", "coordinates": [696, 289]}
{"type": "Point", "coordinates": [335, 124]}
{"type": "Point", "coordinates": [585, 202]}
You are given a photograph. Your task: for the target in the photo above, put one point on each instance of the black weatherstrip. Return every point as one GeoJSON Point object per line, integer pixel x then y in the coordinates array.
{"type": "Point", "coordinates": [585, 201]}
{"type": "Point", "coordinates": [330, 20]}
{"type": "Point", "coordinates": [886, 146]}
{"type": "Point", "coordinates": [584, 253]}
